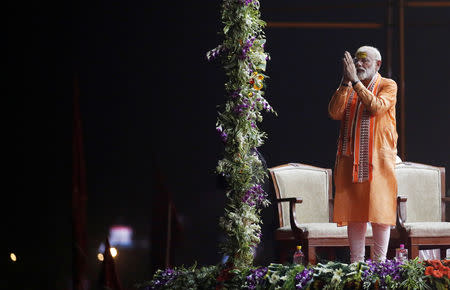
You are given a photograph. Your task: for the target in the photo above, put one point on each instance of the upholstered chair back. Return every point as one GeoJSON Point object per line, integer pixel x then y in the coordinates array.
{"type": "Point", "coordinates": [312, 184]}
{"type": "Point", "coordinates": [421, 184]}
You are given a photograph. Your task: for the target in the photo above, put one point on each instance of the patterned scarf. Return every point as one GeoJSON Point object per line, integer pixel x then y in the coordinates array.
{"type": "Point", "coordinates": [357, 133]}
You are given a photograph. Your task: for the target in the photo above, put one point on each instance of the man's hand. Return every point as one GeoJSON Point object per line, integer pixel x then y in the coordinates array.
{"type": "Point", "coordinates": [349, 69]}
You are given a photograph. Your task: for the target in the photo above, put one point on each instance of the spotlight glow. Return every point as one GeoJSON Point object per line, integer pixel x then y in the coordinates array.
{"type": "Point", "coordinates": [13, 257]}
{"type": "Point", "coordinates": [100, 256]}
{"type": "Point", "coordinates": [113, 252]}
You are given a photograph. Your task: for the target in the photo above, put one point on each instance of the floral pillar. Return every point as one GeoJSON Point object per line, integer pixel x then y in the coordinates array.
{"type": "Point", "coordinates": [244, 60]}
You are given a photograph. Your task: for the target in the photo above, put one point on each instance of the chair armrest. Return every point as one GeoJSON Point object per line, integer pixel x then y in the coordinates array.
{"type": "Point", "coordinates": [292, 217]}
{"type": "Point", "coordinates": [401, 211]}
{"type": "Point", "coordinates": [291, 199]}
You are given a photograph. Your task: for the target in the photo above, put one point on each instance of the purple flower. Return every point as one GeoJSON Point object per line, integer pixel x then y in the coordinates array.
{"type": "Point", "coordinates": [162, 278]}
{"type": "Point", "coordinates": [214, 53]}
{"type": "Point", "coordinates": [255, 277]}
{"type": "Point", "coordinates": [222, 133]}
{"type": "Point", "coordinates": [240, 108]}
{"type": "Point", "coordinates": [236, 93]}
{"type": "Point", "coordinates": [381, 270]}
{"type": "Point", "coordinates": [266, 106]}
{"type": "Point", "coordinates": [246, 2]}
{"type": "Point", "coordinates": [302, 278]}
{"type": "Point", "coordinates": [255, 196]}
{"type": "Point", "coordinates": [224, 136]}
{"type": "Point", "coordinates": [246, 48]}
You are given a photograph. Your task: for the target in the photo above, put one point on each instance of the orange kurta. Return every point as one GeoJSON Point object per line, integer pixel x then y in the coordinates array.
{"type": "Point", "coordinates": [376, 200]}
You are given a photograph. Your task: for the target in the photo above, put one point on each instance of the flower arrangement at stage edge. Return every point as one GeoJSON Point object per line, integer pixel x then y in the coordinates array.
{"type": "Point", "coordinates": [336, 275]}
{"type": "Point", "coordinates": [162, 279]}
{"type": "Point", "coordinates": [385, 275]}
{"type": "Point", "coordinates": [413, 275]}
{"type": "Point", "coordinates": [303, 278]}
{"type": "Point", "coordinates": [410, 275]}
{"type": "Point", "coordinates": [438, 273]}
{"type": "Point", "coordinates": [255, 278]}
{"type": "Point", "coordinates": [183, 278]}
{"type": "Point", "coordinates": [244, 60]}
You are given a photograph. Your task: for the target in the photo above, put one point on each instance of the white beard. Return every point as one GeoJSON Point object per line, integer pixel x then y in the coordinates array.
{"type": "Point", "coordinates": [367, 73]}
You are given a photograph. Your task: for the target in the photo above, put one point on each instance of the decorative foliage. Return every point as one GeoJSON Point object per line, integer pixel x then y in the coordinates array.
{"type": "Point", "coordinates": [390, 274]}
{"type": "Point", "coordinates": [183, 278]}
{"type": "Point", "coordinates": [244, 60]}
{"type": "Point", "coordinates": [413, 275]}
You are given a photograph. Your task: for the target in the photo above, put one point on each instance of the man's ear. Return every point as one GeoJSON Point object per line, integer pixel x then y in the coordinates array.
{"type": "Point", "coordinates": [378, 64]}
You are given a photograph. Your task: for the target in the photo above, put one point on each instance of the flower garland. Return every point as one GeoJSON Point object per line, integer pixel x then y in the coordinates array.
{"type": "Point", "coordinates": [244, 60]}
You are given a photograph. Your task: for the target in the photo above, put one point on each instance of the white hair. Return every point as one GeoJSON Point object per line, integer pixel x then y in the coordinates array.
{"type": "Point", "coordinates": [373, 51]}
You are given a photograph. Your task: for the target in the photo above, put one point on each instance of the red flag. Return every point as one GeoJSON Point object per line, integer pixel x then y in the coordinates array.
{"type": "Point", "coordinates": [79, 197]}
{"type": "Point", "coordinates": [108, 275]}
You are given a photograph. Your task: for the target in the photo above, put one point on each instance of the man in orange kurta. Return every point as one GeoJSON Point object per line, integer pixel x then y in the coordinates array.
{"type": "Point", "coordinates": [365, 183]}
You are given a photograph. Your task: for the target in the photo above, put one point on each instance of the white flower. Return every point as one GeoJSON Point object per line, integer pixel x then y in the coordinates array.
{"type": "Point", "coordinates": [337, 274]}
{"type": "Point", "coordinates": [274, 278]}
{"type": "Point", "coordinates": [336, 279]}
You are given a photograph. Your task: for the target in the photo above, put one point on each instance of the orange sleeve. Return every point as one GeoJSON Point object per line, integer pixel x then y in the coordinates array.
{"type": "Point", "coordinates": [387, 97]}
{"type": "Point", "coordinates": [336, 107]}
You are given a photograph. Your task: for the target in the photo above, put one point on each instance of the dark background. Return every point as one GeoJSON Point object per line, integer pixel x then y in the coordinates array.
{"type": "Point", "coordinates": [148, 104]}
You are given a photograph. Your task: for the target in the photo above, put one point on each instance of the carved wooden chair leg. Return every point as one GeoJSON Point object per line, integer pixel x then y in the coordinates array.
{"type": "Point", "coordinates": [414, 251]}
{"type": "Point", "coordinates": [443, 253]}
{"type": "Point", "coordinates": [312, 259]}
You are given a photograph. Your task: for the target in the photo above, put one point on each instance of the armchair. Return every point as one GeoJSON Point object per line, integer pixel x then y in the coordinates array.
{"type": "Point", "coordinates": [305, 210]}
{"type": "Point", "coordinates": [421, 208]}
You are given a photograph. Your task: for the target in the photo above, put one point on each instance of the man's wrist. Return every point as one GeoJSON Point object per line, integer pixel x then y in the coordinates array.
{"type": "Point", "coordinates": [355, 82]}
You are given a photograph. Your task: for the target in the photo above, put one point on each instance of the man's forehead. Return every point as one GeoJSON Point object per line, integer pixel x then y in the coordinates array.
{"type": "Point", "coordinates": [361, 54]}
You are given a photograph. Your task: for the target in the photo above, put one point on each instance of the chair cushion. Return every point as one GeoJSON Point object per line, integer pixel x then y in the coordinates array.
{"type": "Point", "coordinates": [325, 230]}
{"type": "Point", "coordinates": [428, 229]}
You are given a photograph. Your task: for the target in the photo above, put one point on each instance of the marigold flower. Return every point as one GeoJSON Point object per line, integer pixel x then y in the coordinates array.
{"type": "Point", "coordinates": [429, 271]}
{"type": "Point", "coordinates": [446, 272]}
{"type": "Point", "coordinates": [255, 73]}
{"type": "Point", "coordinates": [250, 94]}
{"type": "Point", "coordinates": [251, 81]}
{"type": "Point", "coordinates": [436, 264]}
{"type": "Point", "coordinates": [256, 87]}
{"type": "Point", "coordinates": [261, 77]}
{"type": "Point", "coordinates": [437, 274]}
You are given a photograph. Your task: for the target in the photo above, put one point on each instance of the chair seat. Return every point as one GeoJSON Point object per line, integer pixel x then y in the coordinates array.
{"type": "Point", "coordinates": [325, 230]}
{"type": "Point", "coordinates": [428, 229]}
